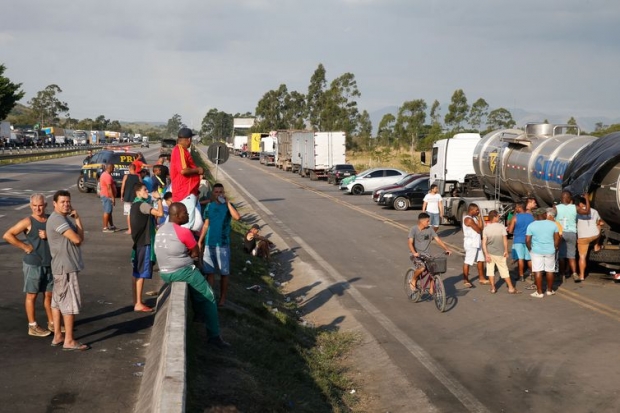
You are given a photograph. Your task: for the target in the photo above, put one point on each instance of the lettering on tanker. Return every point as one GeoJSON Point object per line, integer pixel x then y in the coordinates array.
{"type": "Point", "coordinates": [549, 170]}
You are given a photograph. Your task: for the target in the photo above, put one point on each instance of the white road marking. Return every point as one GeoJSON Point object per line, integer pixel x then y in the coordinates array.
{"type": "Point", "coordinates": [23, 206]}
{"type": "Point", "coordinates": [6, 189]}
{"type": "Point", "coordinates": [437, 370]}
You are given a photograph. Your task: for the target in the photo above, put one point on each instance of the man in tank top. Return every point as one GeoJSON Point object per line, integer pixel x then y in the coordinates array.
{"type": "Point", "coordinates": [473, 224]}
{"type": "Point", "coordinates": [37, 263]}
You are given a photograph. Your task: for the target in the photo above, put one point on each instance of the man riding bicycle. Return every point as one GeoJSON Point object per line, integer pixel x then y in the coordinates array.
{"type": "Point", "coordinates": [420, 237]}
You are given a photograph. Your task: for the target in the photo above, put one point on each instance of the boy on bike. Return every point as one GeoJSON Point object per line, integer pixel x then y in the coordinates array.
{"type": "Point", "coordinates": [420, 237]}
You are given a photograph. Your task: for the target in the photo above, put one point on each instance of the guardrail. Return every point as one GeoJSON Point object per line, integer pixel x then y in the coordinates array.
{"type": "Point", "coordinates": [37, 152]}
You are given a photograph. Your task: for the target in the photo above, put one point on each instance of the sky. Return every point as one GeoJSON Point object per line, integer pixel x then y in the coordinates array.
{"type": "Point", "coordinates": [145, 60]}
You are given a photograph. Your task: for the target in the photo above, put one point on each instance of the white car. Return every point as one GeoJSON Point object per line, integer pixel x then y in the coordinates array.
{"type": "Point", "coordinates": [372, 179]}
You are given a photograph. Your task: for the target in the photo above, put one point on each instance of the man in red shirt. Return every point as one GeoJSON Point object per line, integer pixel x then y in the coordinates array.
{"type": "Point", "coordinates": [185, 178]}
{"type": "Point", "coordinates": [139, 163]}
{"type": "Point", "coordinates": [107, 193]}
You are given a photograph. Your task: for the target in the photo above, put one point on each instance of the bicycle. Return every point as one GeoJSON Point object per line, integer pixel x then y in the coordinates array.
{"type": "Point", "coordinates": [430, 279]}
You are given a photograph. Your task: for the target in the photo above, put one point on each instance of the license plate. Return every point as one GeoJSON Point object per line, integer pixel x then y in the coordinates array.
{"type": "Point", "coordinates": [347, 174]}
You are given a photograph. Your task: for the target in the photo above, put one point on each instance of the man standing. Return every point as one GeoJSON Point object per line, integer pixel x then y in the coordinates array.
{"type": "Point", "coordinates": [419, 242]}
{"type": "Point", "coordinates": [543, 240]}
{"type": "Point", "coordinates": [185, 177]}
{"type": "Point", "coordinates": [127, 194]}
{"type": "Point", "coordinates": [517, 226]}
{"type": "Point", "coordinates": [495, 247]}
{"type": "Point", "coordinates": [65, 237]}
{"type": "Point", "coordinates": [143, 235]}
{"type": "Point", "coordinates": [108, 197]}
{"type": "Point", "coordinates": [566, 215]}
{"type": "Point", "coordinates": [433, 206]}
{"type": "Point", "coordinates": [215, 238]}
{"type": "Point", "coordinates": [177, 249]}
{"type": "Point", "coordinates": [37, 263]}
{"type": "Point", "coordinates": [473, 225]}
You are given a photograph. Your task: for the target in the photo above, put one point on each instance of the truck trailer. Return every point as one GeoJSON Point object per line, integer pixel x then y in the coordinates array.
{"type": "Point", "coordinates": [267, 150]}
{"type": "Point", "coordinates": [299, 139]}
{"type": "Point", "coordinates": [322, 150]}
{"type": "Point", "coordinates": [253, 143]}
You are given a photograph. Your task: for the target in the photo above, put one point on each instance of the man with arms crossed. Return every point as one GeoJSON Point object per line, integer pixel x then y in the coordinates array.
{"type": "Point", "coordinates": [419, 241]}
{"type": "Point", "coordinates": [36, 263]}
{"type": "Point", "coordinates": [65, 237]}
{"type": "Point", "coordinates": [176, 250]}
{"type": "Point", "coordinates": [433, 206]}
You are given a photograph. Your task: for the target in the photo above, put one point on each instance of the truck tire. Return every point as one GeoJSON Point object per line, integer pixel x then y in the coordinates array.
{"type": "Point", "coordinates": [313, 176]}
{"type": "Point", "coordinates": [610, 255]}
{"type": "Point", "coordinates": [460, 211]}
{"type": "Point", "coordinates": [357, 190]}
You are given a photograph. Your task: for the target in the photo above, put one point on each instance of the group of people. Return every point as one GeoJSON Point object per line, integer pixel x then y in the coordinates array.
{"type": "Point", "coordinates": [545, 240]}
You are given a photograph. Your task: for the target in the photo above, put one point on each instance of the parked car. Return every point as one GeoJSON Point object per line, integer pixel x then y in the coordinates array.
{"type": "Point", "coordinates": [337, 172]}
{"type": "Point", "coordinates": [91, 171]}
{"type": "Point", "coordinates": [345, 182]}
{"type": "Point", "coordinates": [144, 144]}
{"type": "Point", "coordinates": [374, 178]}
{"type": "Point", "coordinates": [409, 196]}
{"type": "Point", "coordinates": [166, 147]}
{"type": "Point", "coordinates": [406, 179]}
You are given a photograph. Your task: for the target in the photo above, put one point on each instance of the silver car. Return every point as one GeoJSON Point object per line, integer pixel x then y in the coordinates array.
{"type": "Point", "coordinates": [372, 179]}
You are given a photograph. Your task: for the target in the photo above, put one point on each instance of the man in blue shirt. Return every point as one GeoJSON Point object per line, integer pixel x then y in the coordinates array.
{"type": "Point", "coordinates": [215, 238]}
{"type": "Point", "coordinates": [543, 240]}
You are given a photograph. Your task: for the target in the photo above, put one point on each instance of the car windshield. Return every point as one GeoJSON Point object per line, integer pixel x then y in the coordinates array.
{"type": "Point", "coordinates": [345, 167]}
{"type": "Point", "coordinates": [404, 181]}
{"type": "Point", "coordinates": [415, 183]}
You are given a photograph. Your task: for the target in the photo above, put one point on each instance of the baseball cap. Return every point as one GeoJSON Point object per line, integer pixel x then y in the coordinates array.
{"type": "Point", "coordinates": [185, 133]}
{"type": "Point", "coordinates": [255, 226]}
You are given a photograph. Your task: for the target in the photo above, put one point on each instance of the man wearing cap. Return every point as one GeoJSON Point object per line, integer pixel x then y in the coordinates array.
{"type": "Point", "coordinates": [257, 245]}
{"type": "Point", "coordinates": [185, 178]}
{"type": "Point", "coordinates": [543, 240]}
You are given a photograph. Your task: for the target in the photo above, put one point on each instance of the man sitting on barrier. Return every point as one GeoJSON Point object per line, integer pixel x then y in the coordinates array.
{"type": "Point", "coordinates": [176, 249]}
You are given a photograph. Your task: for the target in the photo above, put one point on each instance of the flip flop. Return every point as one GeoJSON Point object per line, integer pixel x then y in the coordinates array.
{"type": "Point", "coordinates": [484, 282]}
{"type": "Point", "coordinates": [515, 291]}
{"type": "Point", "coordinates": [493, 291]}
{"type": "Point", "coordinates": [60, 343]}
{"type": "Point", "coordinates": [467, 284]}
{"type": "Point", "coordinates": [144, 310]}
{"type": "Point", "coordinates": [77, 347]}
{"type": "Point", "coordinates": [531, 287]}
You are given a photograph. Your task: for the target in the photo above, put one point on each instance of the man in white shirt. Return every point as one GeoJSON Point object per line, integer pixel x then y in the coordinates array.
{"type": "Point", "coordinates": [589, 224]}
{"type": "Point", "coordinates": [433, 206]}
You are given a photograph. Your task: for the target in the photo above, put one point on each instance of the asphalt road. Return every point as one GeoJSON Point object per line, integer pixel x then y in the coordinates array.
{"type": "Point", "coordinates": [487, 353]}
{"type": "Point", "coordinates": [39, 378]}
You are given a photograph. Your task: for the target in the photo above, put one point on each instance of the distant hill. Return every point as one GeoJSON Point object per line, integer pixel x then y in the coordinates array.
{"type": "Point", "coordinates": [521, 116]}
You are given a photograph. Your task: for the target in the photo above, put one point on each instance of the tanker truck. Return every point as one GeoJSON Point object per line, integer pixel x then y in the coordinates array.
{"type": "Point", "coordinates": [540, 162]}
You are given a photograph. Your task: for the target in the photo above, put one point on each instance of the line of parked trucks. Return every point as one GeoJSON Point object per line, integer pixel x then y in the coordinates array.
{"type": "Point", "coordinates": [307, 153]}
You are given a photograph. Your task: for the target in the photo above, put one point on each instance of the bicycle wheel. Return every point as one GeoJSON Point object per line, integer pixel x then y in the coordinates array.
{"type": "Point", "coordinates": [414, 294]}
{"type": "Point", "coordinates": [440, 294]}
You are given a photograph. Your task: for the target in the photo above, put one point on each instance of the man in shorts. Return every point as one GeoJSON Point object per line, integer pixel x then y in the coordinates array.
{"type": "Point", "coordinates": [215, 238]}
{"type": "Point", "coordinates": [37, 263]}
{"type": "Point", "coordinates": [566, 215]}
{"type": "Point", "coordinates": [143, 235]}
{"type": "Point", "coordinates": [185, 177]}
{"type": "Point", "coordinates": [419, 242]}
{"type": "Point", "coordinates": [473, 224]}
{"type": "Point", "coordinates": [65, 233]}
{"type": "Point", "coordinates": [177, 249]}
{"type": "Point", "coordinates": [495, 247]}
{"type": "Point", "coordinates": [108, 197]}
{"type": "Point", "coordinates": [127, 193]}
{"type": "Point", "coordinates": [588, 233]}
{"type": "Point", "coordinates": [517, 226]}
{"type": "Point", "coordinates": [433, 206]}
{"type": "Point", "coordinates": [543, 240]}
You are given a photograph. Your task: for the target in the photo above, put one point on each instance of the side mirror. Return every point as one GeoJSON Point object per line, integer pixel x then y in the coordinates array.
{"type": "Point", "coordinates": [423, 158]}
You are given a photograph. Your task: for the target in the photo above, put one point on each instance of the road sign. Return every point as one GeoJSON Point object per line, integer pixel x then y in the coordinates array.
{"type": "Point", "coordinates": [218, 153]}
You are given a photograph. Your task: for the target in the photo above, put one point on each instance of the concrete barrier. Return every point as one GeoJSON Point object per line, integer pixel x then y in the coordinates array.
{"type": "Point", "coordinates": [163, 386]}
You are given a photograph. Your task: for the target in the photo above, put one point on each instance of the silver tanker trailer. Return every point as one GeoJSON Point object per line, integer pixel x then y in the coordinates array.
{"type": "Point", "coordinates": [539, 162]}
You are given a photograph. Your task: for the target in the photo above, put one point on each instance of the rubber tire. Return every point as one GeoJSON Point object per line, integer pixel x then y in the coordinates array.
{"type": "Point", "coordinates": [80, 185]}
{"type": "Point", "coordinates": [401, 204]}
{"type": "Point", "coordinates": [460, 211]}
{"type": "Point", "coordinates": [611, 256]}
{"type": "Point", "coordinates": [411, 295]}
{"type": "Point", "coordinates": [357, 190]}
{"type": "Point", "coordinates": [440, 294]}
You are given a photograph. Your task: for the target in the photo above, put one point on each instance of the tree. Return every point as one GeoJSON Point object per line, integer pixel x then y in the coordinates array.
{"type": "Point", "coordinates": [385, 133]}
{"type": "Point", "coordinates": [410, 120]}
{"type": "Point", "coordinates": [216, 126]}
{"type": "Point", "coordinates": [365, 128]}
{"type": "Point", "coordinates": [101, 123]}
{"type": "Point", "coordinates": [314, 98]}
{"type": "Point", "coordinates": [10, 94]}
{"type": "Point", "coordinates": [46, 106]}
{"type": "Point", "coordinates": [115, 126]}
{"type": "Point", "coordinates": [174, 124]}
{"type": "Point", "coordinates": [572, 121]}
{"type": "Point", "coordinates": [457, 110]}
{"type": "Point", "coordinates": [435, 116]}
{"type": "Point", "coordinates": [270, 110]}
{"type": "Point", "coordinates": [340, 110]}
{"type": "Point", "coordinates": [294, 110]}
{"type": "Point", "coordinates": [479, 109]}
{"type": "Point", "coordinates": [500, 119]}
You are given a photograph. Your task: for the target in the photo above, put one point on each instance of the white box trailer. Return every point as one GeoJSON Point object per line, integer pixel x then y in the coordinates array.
{"type": "Point", "coordinates": [322, 151]}
{"type": "Point", "coordinates": [299, 139]}
{"type": "Point", "coordinates": [240, 143]}
{"type": "Point", "coordinates": [267, 150]}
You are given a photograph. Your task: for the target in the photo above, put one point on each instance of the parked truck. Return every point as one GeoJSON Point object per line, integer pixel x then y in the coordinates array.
{"type": "Point", "coordinates": [5, 132]}
{"type": "Point", "coordinates": [240, 144]}
{"type": "Point", "coordinates": [540, 162]}
{"type": "Point", "coordinates": [267, 150]}
{"type": "Point", "coordinates": [322, 150]}
{"type": "Point", "coordinates": [253, 142]}
{"type": "Point", "coordinates": [283, 149]}
{"type": "Point", "coordinates": [299, 139]}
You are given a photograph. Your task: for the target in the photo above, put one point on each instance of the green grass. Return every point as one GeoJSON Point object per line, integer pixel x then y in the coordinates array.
{"type": "Point", "coordinates": [275, 364]}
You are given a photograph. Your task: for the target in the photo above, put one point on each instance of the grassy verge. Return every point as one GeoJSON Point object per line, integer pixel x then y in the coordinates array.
{"type": "Point", "coordinates": [276, 363]}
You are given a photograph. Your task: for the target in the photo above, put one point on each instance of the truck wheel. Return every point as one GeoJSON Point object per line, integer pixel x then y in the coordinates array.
{"type": "Point", "coordinates": [401, 203]}
{"type": "Point", "coordinates": [460, 211]}
{"type": "Point", "coordinates": [611, 256]}
{"type": "Point", "coordinates": [81, 185]}
{"type": "Point", "coordinates": [357, 190]}
{"type": "Point", "coordinates": [313, 176]}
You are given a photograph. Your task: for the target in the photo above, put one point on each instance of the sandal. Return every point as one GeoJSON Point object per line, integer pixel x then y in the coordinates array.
{"type": "Point", "coordinates": [77, 347]}
{"type": "Point", "coordinates": [467, 284]}
{"type": "Point", "coordinates": [515, 291]}
{"type": "Point", "coordinates": [484, 282]}
{"type": "Point", "coordinates": [531, 287]}
{"type": "Point", "coordinates": [493, 291]}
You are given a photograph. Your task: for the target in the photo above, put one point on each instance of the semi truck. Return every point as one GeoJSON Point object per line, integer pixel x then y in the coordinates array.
{"type": "Point", "coordinates": [267, 150]}
{"type": "Point", "coordinates": [283, 149]}
{"type": "Point", "coordinates": [240, 143]}
{"type": "Point", "coordinates": [541, 161]}
{"type": "Point", "coordinates": [298, 147]}
{"type": "Point", "coordinates": [253, 143]}
{"type": "Point", "coordinates": [321, 151]}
